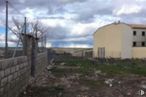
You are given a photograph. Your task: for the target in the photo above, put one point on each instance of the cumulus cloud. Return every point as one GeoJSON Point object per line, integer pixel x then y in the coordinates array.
{"type": "Point", "coordinates": [73, 22]}
{"type": "Point", "coordinates": [87, 10]}
{"type": "Point", "coordinates": [128, 7]}
{"type": "Point", "coordinates": [131, 9]}
{"type": "Point", "coordinates": [12, 40]}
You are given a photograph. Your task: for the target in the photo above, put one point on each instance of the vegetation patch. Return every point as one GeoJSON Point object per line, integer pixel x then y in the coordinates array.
{"type": "Point", "coordinates": [120, 67]}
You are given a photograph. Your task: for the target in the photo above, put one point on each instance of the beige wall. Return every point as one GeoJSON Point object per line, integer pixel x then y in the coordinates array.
{"type": "Point", "coordinates": [139, 52]}
{"type": "Point", "coordinates": [112, 37]}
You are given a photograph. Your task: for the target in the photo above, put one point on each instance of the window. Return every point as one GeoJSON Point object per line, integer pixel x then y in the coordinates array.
{"type": "Point", "coordinates": [142, 43]}
{"type": "Point", "coordinates": [134, 33]}
{"type": "Point", "coordinates": [143, 33]}
{"type": "Point", "coordinates": [134, 44]}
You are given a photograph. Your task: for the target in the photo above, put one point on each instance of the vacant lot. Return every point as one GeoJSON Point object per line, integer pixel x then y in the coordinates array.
{"type": "Point", "coordinates": [77, 77]}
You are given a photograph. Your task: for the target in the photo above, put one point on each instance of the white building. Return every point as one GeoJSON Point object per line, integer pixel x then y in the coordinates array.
{"type": "Point", "coordinates": [120, 40]}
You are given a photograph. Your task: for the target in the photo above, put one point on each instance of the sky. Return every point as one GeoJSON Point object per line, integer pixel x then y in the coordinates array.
{"type": "Point", "coordinates": [72, 23]}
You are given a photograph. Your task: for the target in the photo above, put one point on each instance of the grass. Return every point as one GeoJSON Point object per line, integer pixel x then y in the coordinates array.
{"type": "Point", "coordinates": [121, 67]}
{"type": "Point", "coordinates": [60, 72]}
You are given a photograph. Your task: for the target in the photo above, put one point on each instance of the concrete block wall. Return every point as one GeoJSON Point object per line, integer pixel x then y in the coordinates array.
{"type": "Point", "coordinates": [15, 74]}
{"type": "Point", "coordinates": [42, 62]}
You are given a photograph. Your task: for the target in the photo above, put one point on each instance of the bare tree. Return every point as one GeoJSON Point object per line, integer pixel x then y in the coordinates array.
{"type": "Point", "coordinates": [17, 28]}
{"type": "Point", "coordinates": [39, 31]}
{"type": "Point", "coordinates": [35, 29]}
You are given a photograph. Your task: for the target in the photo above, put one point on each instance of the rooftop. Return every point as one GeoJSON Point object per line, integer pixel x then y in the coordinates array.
{"type": "Point", "coordinates": [137, 26]}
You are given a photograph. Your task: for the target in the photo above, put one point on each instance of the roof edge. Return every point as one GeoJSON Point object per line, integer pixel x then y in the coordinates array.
{"type": "Point", "coordinates": [116, 23]}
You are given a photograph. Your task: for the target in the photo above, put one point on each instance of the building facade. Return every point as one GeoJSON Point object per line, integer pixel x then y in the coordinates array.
{"type": "Point", "coordinates": [120, 40]}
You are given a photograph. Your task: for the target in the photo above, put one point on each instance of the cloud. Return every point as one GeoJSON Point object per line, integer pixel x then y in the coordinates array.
{"type": "Point", "coordinates": [48, 45]}
{"type": "Point", "coordinates": [72, 45]}
{"type": "Point", "coordinates": [87, 10]}
{"type": "Point", "coordinates": [78, 46]}
{"type": "Point", "coordinates": [133, 7]}
{"type": "Point", "coordinates": [10, 44]}
{"type": "Point", "coordinates": [70, 41]}
{"type": "Point", "coordinates": [12, 39]}
{"type": "Point", "coordinates": [73, 22]}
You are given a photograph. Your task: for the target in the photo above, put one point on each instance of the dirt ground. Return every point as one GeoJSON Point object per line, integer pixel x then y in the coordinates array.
{"type": "Point", "coordinates": [68, 81]}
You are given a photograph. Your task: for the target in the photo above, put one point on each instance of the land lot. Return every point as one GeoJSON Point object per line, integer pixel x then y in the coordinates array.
{"type": "Point", "coordinates": [77, 77]}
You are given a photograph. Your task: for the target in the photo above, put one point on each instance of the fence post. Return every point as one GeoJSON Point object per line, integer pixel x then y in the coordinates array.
{"type": "Point", "coordinates": [31, 50]}
{"type": "Point", "coordinates": [34, 56]}
{"type": "Point", "coordinates": [6, 36]}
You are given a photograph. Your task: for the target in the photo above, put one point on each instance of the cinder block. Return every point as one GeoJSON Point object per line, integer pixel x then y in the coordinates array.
{"type": "Point", "coordinates": [4, 81]}
{"type": "Point", "coordinates": [15, 62]}
{"type": "Point", "coordinates": [21, 66]}
{"type": "Point", "coordinates": [1, 65]}
{"type": "Point", "coordinates": [1, 91]}
{"type": "Point", "coordinates": [17, 67]}
{"type": "Point", "coordinates": [18, 73]}
{"type": "Point", "coordinates": [13, 69]}
{"type": "Point", "coordinates": [6, 90]}
{"type": "Point", "coordinates": [12, 84]}
{"type": "Point", "coordinates": [15, 75]}
{"type": "Point", "coordinates": [1, 74]}
{"type": "Point", "coordinates": [4, 65]}
{"type": "Point", "coordinates": [7, 72]}
{"type": "Point", "coordinates": [10, 78]}
{"type": "Point", "coordinates": [10, 62]}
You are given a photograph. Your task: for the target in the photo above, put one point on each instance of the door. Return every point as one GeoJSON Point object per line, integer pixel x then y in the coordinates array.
{"type": "Point", "coordinates": [101, 52]}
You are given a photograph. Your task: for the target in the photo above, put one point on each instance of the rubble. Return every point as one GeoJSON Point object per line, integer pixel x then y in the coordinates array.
{"type": "Point", "coordinates": [141, 92]}
{"type": "Point", "coordinates": [84, 88]}
{"type": "Point", "coordinates": [143, 86]}
{"type": "Point", "coordinates": [109, 82]}
{"type": "Point", "coordinates": [65, 82]}
{"type": "Point", "coordinates": [62, 64]}
{"type": "Point", "coordinates": [95, 84]}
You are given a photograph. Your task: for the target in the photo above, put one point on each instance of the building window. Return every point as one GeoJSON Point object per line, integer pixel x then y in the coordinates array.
{"type": "Point", "coordinates": [134, 33]}
{"type": "Point", "coordinates": [134, 44]}
{"type": "Point", "coordinates": [143, 33]}
{"type": "Point", "coordinates": [142, 43]}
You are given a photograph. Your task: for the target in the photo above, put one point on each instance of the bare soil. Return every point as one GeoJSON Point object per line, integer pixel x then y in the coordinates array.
{"type": "Point", "coordinates": [69, 81]}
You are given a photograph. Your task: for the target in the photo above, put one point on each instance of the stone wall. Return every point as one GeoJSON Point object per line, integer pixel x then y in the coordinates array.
{"type": "Point", "coordinates": [42, 62]}
{"type": "Point", "coordinates": [15, 74]}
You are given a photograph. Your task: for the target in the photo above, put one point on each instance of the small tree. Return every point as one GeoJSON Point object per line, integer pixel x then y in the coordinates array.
{"type": "Point", "coordinates": [35, 28]}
